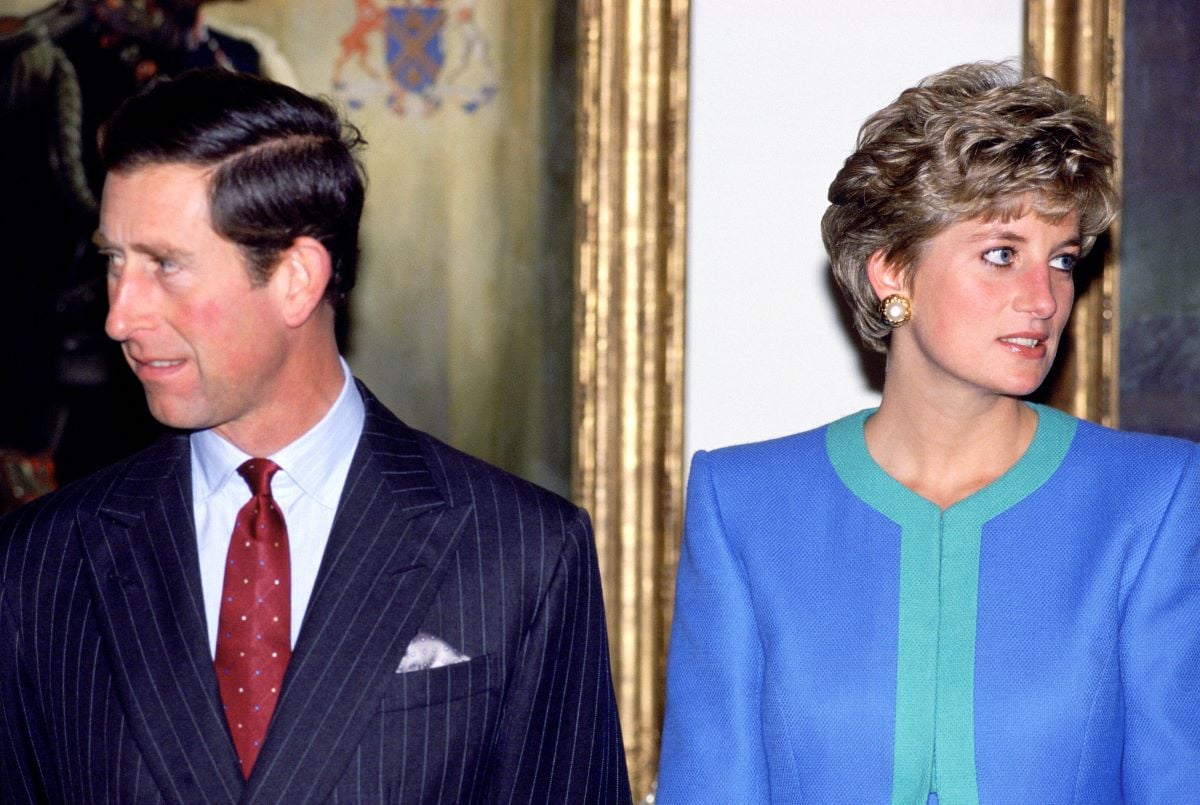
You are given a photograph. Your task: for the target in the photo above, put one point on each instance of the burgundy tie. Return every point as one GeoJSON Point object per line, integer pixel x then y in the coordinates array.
{"type": "Point", "coordinates": [254, 635]}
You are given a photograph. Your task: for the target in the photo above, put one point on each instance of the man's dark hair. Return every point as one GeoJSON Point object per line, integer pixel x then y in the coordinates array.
{"type": "Point", "coordinates": [283, 163]}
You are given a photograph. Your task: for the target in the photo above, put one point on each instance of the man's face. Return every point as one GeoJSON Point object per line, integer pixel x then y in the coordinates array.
{"type": "Point", "coordinates": [206, 343]}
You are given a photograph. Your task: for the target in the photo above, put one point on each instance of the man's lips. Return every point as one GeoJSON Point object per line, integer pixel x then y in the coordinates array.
{"type": "Point", "coordinates": [153, 366]}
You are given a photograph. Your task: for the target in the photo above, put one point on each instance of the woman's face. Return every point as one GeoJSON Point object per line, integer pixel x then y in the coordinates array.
{"type": "Point", "coordinates": [990, 300]}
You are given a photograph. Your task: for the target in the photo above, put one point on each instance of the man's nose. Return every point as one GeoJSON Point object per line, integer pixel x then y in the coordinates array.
{"type": "Point", "coordinates": [129, 304]}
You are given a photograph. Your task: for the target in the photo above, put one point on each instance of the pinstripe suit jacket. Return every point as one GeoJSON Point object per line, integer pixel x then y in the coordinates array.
{"type": "Point", "coordinates": [107, 685]}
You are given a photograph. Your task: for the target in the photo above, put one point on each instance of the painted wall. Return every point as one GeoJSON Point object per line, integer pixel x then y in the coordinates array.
{"type": "Point", "coordinates": [778, 92]}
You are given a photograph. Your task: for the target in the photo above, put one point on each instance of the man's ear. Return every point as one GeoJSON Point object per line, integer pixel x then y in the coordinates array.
{"type": "Point", "coordinates": [300, 279]}
{"type": "Point", "coordinates": [886, 276]}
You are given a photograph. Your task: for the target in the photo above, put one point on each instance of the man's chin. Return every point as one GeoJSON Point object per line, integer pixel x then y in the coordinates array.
{"type": "Point", "coordinates": [174, 416]}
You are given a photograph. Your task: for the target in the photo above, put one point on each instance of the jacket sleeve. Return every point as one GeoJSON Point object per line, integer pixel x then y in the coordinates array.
{"type": "Point", "coordinates": [712, 749]}
{"type": "Point", "coordinates": [20, 780]}
{"type": "Point", "coordinates": [559, 736]}
{"type": "Point", "coordinates": [1160, 657]}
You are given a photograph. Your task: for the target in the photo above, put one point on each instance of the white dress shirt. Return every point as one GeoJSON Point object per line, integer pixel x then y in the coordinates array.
{"type": "Point", "coordinates": [307, 487]}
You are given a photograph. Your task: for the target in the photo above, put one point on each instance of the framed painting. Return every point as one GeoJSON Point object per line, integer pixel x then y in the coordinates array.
{"type": "Point", "coordinates": [1159, 360]}
{"type": "Point", "coordinates": [1134, 355]}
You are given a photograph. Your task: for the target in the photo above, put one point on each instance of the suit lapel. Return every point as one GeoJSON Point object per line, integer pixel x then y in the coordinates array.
{"type": "Point", "coordinates": [390, 544]}
{"type": "Point", "coordinates": [140, 546]}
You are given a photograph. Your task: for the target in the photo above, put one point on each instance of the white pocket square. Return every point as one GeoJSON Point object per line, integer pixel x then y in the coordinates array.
{"type": "Point", "coordinates": [426, 651]}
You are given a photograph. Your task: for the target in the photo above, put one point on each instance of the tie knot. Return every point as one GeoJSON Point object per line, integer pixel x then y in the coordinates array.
{"type": "Point", "coordinates": [258, 473]}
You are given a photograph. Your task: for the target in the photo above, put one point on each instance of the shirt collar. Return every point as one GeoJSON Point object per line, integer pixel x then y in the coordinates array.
{"type": "Point", "coordinates": [317, 462]}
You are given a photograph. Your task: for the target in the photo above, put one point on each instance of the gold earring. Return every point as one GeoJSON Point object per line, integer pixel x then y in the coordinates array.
{"type": "Point", "coordinates": [895, 310]}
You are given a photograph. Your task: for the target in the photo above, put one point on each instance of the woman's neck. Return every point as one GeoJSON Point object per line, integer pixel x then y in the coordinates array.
{"type": "Point", "coordinates": [947, 449]}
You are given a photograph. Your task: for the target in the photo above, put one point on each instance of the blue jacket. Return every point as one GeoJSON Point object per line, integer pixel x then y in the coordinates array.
{"type": "Point", "coordinates": [839, 639]}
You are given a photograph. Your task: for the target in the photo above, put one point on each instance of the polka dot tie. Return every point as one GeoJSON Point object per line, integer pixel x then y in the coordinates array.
{"type": "Point", "coordinates": [254, 632]}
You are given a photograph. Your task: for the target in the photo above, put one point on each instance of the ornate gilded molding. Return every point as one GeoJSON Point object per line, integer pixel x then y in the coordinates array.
{"type": "Point", "coordinates": [1078, 43]}
{"type": "Point", "coordinates": [629, 318]}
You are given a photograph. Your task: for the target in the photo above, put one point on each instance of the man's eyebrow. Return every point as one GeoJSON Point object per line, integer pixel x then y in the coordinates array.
{"type": "Point", "coordinates": [152, 249]}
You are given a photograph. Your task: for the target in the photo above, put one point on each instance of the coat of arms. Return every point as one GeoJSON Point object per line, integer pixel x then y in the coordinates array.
{"type": "Point", "coordinates": [432, 51]}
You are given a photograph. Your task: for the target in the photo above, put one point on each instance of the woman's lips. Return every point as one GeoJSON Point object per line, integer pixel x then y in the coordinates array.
{"type": "Point", "coordinates": [1031, 345]}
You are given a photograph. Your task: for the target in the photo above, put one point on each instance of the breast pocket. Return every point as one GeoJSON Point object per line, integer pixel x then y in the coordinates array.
{"type": "Point", "coordinates": [431, 737]}
{"type": "Point", "coordinates": [450, 683]}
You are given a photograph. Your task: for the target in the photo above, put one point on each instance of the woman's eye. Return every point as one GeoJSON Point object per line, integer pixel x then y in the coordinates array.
{"type": "Point", "coordinates": [999, 257]}
{"type": "Point", "coordinates": [1064, 262]}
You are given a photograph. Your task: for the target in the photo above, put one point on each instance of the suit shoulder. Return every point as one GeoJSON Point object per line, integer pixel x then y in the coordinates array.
{"type": "Point", "coordinates": [1131, 451]}
{"type": "Point", "coordinates": [766, 462]}
{"type": "Point", "coordinates": [509, 514]}
{"type": "Point", "coordinates": [514, 524]}
{"type": "Point", "coordinates": [46, 515]}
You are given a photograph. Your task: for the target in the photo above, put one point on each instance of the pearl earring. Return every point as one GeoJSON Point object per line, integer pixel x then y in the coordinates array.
{"type": "Point", "coordinates": [895, 310]}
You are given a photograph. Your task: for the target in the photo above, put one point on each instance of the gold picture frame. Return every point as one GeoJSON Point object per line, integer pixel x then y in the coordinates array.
{"type": "Point", "coordinates": [628, 336]}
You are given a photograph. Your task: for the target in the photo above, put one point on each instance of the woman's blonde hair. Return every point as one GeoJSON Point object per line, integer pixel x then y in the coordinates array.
{"type": "Point", "coordinates": [977, 140]}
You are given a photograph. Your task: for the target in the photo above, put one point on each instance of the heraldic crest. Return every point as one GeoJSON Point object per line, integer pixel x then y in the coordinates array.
{"type": "Point", "coordinates": [430, 51]}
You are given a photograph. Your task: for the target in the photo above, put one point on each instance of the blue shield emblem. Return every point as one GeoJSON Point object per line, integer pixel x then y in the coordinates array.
{"type": "Point", "coordinates": [414, 46]}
